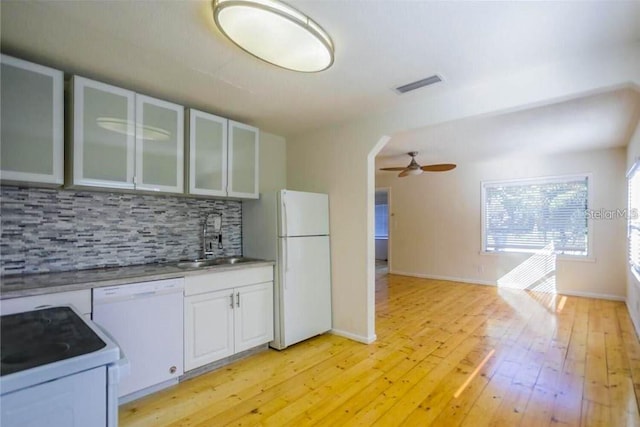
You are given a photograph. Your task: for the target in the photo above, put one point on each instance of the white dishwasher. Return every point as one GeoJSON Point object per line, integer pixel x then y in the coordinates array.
{"type": "Point", "coordinates": [146, 319]}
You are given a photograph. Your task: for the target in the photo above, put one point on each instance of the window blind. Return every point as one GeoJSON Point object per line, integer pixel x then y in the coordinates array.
{"type": "Point", "coordinates": [532, 215]}
{"type": "Point", "coordinates": [633, 215]}
{"type": "Point", "coordinates": [382, 219]}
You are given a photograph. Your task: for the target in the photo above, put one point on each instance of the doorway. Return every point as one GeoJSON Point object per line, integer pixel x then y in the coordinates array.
{"type": "Point", "coordinates": [382, 230]}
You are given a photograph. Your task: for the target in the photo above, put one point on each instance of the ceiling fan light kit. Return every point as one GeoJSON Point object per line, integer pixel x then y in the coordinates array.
{"type": "Point", "coordinates": [275, 33]}
{"type": "Point", "coordinates": [415, 169]}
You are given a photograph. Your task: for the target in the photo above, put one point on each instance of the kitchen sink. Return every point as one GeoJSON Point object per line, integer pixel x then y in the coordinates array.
{"type": "Point", "coordinates": [198, 263]}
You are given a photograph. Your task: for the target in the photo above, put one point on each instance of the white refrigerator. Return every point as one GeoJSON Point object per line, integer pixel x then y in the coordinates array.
{"type": "Point", "coordinates": [292, 228]}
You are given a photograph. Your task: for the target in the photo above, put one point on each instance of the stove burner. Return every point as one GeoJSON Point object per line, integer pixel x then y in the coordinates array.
{"type": "Point", "coordinates": [27, 355]}
{"type": "Point", "coordinates": [44, 336]}
{"type": "Point", "coordinates": [36, 326]}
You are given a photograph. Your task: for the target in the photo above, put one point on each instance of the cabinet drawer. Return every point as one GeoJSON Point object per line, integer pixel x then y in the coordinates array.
{"type": "Point", "coordinates": [194, 285]}
{"type": "Point", "coordinates": [81, 300]}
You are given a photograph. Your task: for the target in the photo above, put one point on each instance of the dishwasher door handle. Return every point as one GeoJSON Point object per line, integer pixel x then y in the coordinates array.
{"type": "Point", "coordinates": [144, 294]}
{"type": "Point", "coordinates": [115, 297]}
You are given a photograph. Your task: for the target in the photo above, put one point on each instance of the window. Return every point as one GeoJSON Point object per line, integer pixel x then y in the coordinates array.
{"type": "Point", "coordinates": [526, 216]}
{"type": "Point", "coordinates": [382, 219]}
{"type": "Point", "coordinates": [634, 213]}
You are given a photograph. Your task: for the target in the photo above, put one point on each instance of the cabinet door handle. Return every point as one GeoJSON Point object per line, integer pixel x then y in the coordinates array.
{"type": "Point", "coordinates": [231, 296]}
{"type": "Point", "coordinates": [238, 299]}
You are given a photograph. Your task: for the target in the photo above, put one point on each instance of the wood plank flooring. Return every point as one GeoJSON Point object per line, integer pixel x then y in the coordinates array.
{"type": "Point", "coordinates": [548, 360]}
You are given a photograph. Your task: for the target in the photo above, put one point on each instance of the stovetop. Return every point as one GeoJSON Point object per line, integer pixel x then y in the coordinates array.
{"type": "Point", "coordinates": [40, 337]}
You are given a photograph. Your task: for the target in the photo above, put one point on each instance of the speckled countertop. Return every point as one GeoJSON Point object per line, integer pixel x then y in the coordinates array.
{"type": "Point", "coordinates": [46, 283]}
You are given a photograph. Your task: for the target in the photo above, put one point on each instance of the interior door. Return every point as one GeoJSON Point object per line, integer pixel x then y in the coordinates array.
{"type": "Point", "coordinates": [305, 287]}
{"type": "Point", "coordinates": [303, 214]}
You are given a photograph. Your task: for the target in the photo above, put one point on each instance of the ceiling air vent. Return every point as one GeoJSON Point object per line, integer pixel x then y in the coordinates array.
{"type": "Point", "coordinates": [418, 84]}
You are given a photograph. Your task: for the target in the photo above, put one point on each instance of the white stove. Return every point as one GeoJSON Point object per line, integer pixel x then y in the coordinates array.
{"type": "Point", "coordinates": [57, 369]}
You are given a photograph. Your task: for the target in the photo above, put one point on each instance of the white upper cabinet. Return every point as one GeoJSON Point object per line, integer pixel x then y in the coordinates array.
{"type": "Point", "coordinates": [159, 145]}
{"type": "Point", "coordinates": [120, 139]}
{"type": "Point", "coordinates": [101, 149]}
{"type": "Point", "coordinates": [222, 157]}
{"type": "Point", "coordinates": [243, 161]}
{"type": "Point", "coordinates": [31, 131]}
{"type": "Point", "coordinates": [207, 154]}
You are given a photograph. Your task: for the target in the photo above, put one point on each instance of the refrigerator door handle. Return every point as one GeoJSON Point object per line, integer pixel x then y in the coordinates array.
{"type": "Point", "coordinates": [285, 254]}
{"type": "Point", "coordinates": [284, 213]}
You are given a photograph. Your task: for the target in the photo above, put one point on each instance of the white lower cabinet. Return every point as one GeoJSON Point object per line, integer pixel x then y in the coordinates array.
{"type": "Point", "coordinates": [253, 316]}
{"type": "Point", "coordinates": [208, 328]}
{"type": "Point", "coordinates": [220, 320]}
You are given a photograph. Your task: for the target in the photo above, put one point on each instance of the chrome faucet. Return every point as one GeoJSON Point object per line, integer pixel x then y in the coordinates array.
{"type": "Point", "coordinates": [218, 232]}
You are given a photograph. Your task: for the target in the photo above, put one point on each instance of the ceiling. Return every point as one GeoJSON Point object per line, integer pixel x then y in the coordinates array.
{"type": "Point", "coordinates": [171, 49]}
{"type": "Point", "coordinates": [598, 121]}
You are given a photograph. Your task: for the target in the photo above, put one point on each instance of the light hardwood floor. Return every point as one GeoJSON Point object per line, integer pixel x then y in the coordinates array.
{"type": "Point", "coordinates": [548, 360]}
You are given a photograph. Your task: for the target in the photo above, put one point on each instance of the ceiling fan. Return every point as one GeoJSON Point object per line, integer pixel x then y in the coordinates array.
{"type": "Point", "coordinates": [415, 169]}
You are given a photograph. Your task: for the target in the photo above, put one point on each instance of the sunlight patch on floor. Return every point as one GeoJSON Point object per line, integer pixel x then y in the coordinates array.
{"type": "Point", "coordinates": [536, 273]}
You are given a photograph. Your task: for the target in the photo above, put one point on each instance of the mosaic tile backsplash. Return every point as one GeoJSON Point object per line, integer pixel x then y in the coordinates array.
{"type": "Point", "coordinates": [48, 230]}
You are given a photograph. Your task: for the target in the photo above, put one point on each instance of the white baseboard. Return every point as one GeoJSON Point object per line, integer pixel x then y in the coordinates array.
{"type": "Point", "coordinates": [447, 278]}
{"type": "Point", "coordinates": [354, 337]}
{"type": "Point", "coordinates": [633, 318]}
{"type": "Point", "coordinates": [489, 283]}
{"type": "Point", "coordinates": [592, 295]}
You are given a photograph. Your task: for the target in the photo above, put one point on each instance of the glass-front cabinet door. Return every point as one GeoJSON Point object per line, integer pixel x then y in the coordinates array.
{"type": "Point", "coordinates": [207, 154]}
{"type": "Point", "coordinates": [243, 161]}
{"type": "Point", "coordinates": [102, 147]}
{"type": "Point", "coordinates": [159, 145]}
{"type": "Point", "coordinates": [31, 130]}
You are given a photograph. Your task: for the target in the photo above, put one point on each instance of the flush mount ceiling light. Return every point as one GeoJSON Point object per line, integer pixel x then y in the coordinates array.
{"type": "Point", "coordinates": [276, 33]}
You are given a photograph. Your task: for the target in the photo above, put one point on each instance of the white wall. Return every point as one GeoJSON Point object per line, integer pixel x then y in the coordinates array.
{"type": "Point", "coordinates": [382, 249]}
{"type": "Point", "coordinates": [339, 160]}
{"type": "Point", "coordinates": [273, 162]}
{"type": "Point", "coordinates": [633, 285]}
{"type": "Point", "coordinates": [437, 222]}
{"type": "Point", "coordinates": [335, 161]}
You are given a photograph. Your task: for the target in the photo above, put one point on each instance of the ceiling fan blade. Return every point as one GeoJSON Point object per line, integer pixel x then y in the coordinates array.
{"type": "Point", "coordinates": [443, 167]}
{"type": "Point", "coordinates": [401, 168]}
{"type": "Point", "coordinates": [405, 172]}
